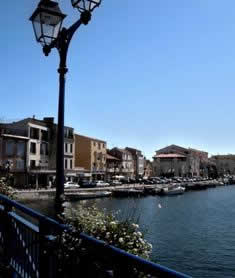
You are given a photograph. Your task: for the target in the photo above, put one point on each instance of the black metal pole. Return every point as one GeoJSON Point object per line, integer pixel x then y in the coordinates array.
{"type": "Point", "coordinates": [62, 45]}
{"type": "Point", "coordinates": [60, 137]}
{"type": "Point", "coordinates": [63, 49]}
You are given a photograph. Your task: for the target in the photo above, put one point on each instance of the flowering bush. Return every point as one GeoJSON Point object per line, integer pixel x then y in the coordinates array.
{"type": "Point", "coordinates": [121, 234]}
{"type": "Point", "coordinates": [5, 189]}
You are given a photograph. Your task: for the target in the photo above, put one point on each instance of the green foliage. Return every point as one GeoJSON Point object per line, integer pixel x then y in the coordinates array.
{"type": "Point", "coordinates": [103, 226]}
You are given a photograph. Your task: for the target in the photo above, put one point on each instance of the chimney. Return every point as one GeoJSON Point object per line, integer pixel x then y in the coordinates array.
{"type": "Point", "coordinates": [49, 120]}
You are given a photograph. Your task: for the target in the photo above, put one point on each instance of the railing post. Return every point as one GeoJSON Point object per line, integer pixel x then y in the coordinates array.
{"type": "Point", "coordinates": [7, 237]}
{"type": "Point", "coordinates": [45, 264]}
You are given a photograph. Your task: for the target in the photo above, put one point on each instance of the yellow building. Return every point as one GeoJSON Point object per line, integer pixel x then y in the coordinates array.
{"type": "Point", "coordinates": [90, 154]}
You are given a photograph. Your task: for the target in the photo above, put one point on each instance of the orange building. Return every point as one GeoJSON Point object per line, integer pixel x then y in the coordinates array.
{"type": "Point", "coordinates": [90, 154]}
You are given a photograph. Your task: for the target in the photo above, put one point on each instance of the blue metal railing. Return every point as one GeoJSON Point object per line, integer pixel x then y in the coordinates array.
{"type": "Point", "coordinates": [30, 250]}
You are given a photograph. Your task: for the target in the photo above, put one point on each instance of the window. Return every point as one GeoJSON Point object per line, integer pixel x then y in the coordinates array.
{"type": "Point", "coordinates": [66, 133]}
{"type": "Point", "coordinates": [44, 148]}
{"type": "Point", "coordinates": [20, 164]}
{"type": "Point", "coordinates": [71, 148]}
{"type": "Point", "coordinates": [71, 164]}
{"type": "Point", "coordinates": [33, 148]}
{"type": "Point", "coordinates": [32, 163]}
{"type": "Point", "coordinates": [9, 147]}
{"type": "Point", "coordinates": [34, 133]}
{"type": "Point", "coordinates": [70, 133]}
{"type": "Point", "coordinates": [99, 146]}
{"type": "Point", "coordinates": [44, 135]}
{"type": "Point", "coordinates": [94, 144]}
{"type": "Point", "coordinates": [66, 164]}
{"type": "Point", "coordinates": [104, 145]}
{"type": "Point", "coordinates": [20, 148]}
{"type": "Point", "coordinates": [66, 147]}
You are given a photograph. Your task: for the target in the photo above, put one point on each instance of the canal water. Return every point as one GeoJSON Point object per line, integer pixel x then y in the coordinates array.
{"type": "Point", "coordinates": [193, 233]}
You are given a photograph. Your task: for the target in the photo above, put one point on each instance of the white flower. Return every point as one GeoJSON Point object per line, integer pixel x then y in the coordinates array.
{"type": "Point", "coordinates": [121, 240]}
{"type": "Point", "coordinates": [139, 233]}
{"type": "Point", "coordinates": [135, 225]}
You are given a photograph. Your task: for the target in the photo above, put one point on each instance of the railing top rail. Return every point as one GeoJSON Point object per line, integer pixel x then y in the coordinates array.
{"type": "Point", "coordinates": [138, 262]}
{"type": "Point", "coordinates": [40, 217]}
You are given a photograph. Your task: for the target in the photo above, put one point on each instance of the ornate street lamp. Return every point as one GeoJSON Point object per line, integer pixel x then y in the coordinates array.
{"type": "Point", "coordinates": [47, 22]}
{"type": "Point", "coordinates": [85, 5]}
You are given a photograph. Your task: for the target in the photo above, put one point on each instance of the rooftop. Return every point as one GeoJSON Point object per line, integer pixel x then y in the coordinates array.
{"type": "Point", "coordinates": [91, 138]}
{"type": "Point", "coordinates": [108, 156]}
{"type": "Point", "coordinates": [170, 155]}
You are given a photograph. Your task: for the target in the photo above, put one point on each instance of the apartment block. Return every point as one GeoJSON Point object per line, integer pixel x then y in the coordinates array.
{"type": "Point", "coordinates": [127, 161]}
{"type": "Point", "coordinates": [138, 161]}
{"type": "Point", "coordinates": [90, 154]}
{"type": "Point", "coordinates": [13, 154]}
{"type": "Point", "coordinates": [40, 137]}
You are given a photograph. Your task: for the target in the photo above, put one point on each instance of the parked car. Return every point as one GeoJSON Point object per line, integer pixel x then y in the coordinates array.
{"type": "Point", "coordinates": [70, 184]}
{"type": "Point", "coordinates": [116, 182]}
{"type": "Point", "coordinates": [87, 184]}
{"type": "Point", "coordinates": [102, 183]}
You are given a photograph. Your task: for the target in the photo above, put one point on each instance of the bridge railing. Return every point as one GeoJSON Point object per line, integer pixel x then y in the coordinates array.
{"type": "Point", "coordinates": [29, 243]}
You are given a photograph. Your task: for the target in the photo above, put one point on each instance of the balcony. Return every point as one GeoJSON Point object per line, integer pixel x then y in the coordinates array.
{"type": "Point", "coordinates": [40, 169]}
{"type": "Point", "coordinates": [15, 132]}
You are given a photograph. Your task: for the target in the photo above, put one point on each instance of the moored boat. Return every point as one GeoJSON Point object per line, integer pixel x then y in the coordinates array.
{"type": "Point", "coordinates": [173, 191]}
{"type": "Point", "coordinates": [86, 195]}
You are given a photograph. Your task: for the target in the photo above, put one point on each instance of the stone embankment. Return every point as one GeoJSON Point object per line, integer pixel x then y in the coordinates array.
{"type": "Point", "coordinates": [44, 194]}
{"type": "Point", "coordinates": [136, 189]}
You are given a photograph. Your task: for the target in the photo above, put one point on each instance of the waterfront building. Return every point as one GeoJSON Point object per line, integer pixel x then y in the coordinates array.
{"type": "Point", "coordinates": [90, 154]}
{"type": "Point", "coordinates": [127, 162]}
{"type": "Point", "coordinates": [148, 168]}
{"type": "Point", "coordinates": [40, 150]}
{"type": "Point", "coordinates": [13, 146]}
{"type": "Point", "coordinates": [138, 162]}
{"type": "Point", "coordinates": [113, 166]}
{"type": "Point", "coordinates": [225, 164]}
{"type": "Point", "coordinates": [174, 160]}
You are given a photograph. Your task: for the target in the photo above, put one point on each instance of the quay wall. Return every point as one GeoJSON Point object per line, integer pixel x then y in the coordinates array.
{"type": "Point", "coordinates": [44, 194]}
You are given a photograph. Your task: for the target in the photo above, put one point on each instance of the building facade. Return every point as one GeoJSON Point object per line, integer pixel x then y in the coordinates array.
{"type": "Point", "coordinates": [113, 166]}
{"type": "Point", "coordinates": [225, 164]}
{"type": "Point", "coordinates": [13, 153]}
{"type": "Point", "coordinates": [40, 149]}
{"type": "Point", "coordinates": [174, 160]}
{"type": "Point", "coordinates": [138, 162]}
{"type": "Point", "coordinates": [127, 163]}
{"type": "Point", "coordinates": [90, 154]}
{"type": "Point", "coordinates": [148, 169]}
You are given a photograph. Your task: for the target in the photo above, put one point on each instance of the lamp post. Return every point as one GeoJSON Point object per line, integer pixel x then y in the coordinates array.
{"type": "Point", "coordinates": [47, 22]}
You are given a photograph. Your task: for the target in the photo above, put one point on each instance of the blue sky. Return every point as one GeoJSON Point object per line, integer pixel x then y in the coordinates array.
{"type": "Point", "coordinates": [143, 74]}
